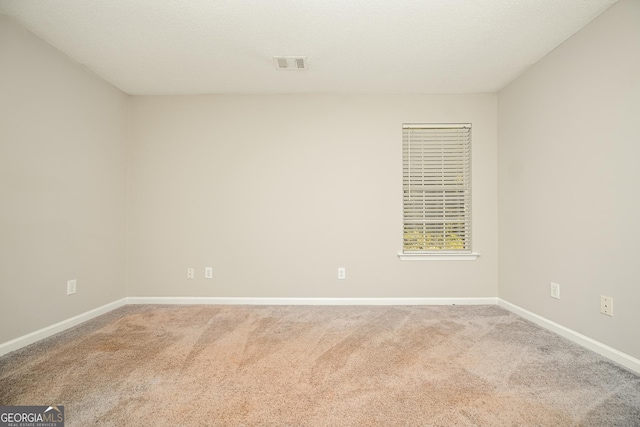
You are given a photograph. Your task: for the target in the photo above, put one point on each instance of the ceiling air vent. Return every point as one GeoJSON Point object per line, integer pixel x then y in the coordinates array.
{"type": "Point", "coordinates": [294, 63]}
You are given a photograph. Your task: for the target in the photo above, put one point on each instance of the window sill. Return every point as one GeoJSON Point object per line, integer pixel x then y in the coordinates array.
{"type": "Point", "coordinates": [438, 257]}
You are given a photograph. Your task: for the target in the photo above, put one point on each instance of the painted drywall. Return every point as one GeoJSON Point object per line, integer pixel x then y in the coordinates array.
{"type": "Point", "coordinates": [62, 185]}
{"type": "Point", "coordinates": [276, 192]}
{"type": "Point", "coordinates": [568, 181]}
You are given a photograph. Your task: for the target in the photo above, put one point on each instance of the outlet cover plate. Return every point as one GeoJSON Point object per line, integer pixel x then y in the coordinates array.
{"type": "Point", "coordinates": [71, 287]}
{"type": "Point", "coordinates": [555, 290]}
{"type": "Point", "coordinates": [606, 305]}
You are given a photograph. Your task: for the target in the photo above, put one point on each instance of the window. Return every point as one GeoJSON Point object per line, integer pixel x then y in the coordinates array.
{"type": "Point", "coordinates": [436, 190]}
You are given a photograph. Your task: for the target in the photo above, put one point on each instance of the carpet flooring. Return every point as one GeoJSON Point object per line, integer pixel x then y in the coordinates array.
{"type": "Point", "coordinates": [143, 365]}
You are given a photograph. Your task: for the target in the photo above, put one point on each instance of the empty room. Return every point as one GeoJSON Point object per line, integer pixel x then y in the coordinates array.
{"type": "Point", "coordinates": [310, 213]}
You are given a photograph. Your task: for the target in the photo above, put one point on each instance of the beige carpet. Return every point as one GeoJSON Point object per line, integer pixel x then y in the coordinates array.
{"type": "Point", "coordinates": [319, 366]}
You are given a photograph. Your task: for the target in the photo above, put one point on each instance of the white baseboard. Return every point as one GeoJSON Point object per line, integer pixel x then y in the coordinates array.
{"type": "Point", "coordinates": [311, 301]}
{"type": "Point", "coordinates": [43, 333]}
{"type": "Point", "coordinates": [583, 340]}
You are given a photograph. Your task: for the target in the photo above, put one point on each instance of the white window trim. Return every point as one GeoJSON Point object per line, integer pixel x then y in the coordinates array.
{"type": "Point", "coordinates": [437, 255]}
{"type": "Point", "coordinates": [424, 256]}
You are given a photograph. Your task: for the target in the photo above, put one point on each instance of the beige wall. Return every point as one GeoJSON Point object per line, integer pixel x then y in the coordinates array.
{"type": "Point", "coordinates": [62, 186]}
{"type": "Point", "coordinates": [277, 192]}
{"type": "Point", "coordinates": [569, 181]}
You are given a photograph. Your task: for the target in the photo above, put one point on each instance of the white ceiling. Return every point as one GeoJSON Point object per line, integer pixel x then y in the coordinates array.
{"type": "Point", "coordinates": [154, 47]}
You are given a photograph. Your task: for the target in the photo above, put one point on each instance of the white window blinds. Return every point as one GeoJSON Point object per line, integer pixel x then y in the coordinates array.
{"type": "Point", "coordinates": [436, 188]}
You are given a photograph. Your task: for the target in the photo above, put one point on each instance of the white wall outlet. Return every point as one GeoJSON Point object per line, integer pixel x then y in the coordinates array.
{"type": "Point", "coordinates": [342, 273]}
{"type": "Point", "coordinates": [71, 287]}
{"type": "Point", "coordinates": [555, 290]}
{"type": "Point", "coordinates": [606, 305]}
{"type": "Point", "coordinates": [208, 272]}
{"type": "Point", "coordinates": [191, 273]}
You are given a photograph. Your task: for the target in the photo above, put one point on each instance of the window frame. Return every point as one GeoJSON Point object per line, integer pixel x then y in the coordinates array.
{"type": "Point", "coordinates": [440, 193]}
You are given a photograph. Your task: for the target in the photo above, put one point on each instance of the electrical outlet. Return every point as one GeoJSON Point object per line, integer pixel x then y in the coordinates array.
{"type": "Point", "coordinates": [71, 287]}
{"type": "Point", "coordinates": [208, 272]}
{"type": "Point", "coordinates": [190, 273]}
{"type": "Point", "coordinates": [555, 290]}
{"type": "Point", "coordinates": [342, 273]}
{"type": "Point", "coordinates": [606, 305]}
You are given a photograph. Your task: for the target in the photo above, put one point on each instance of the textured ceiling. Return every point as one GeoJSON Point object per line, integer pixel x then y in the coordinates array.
{"type": "Point", "coordinates": [353, 46]}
